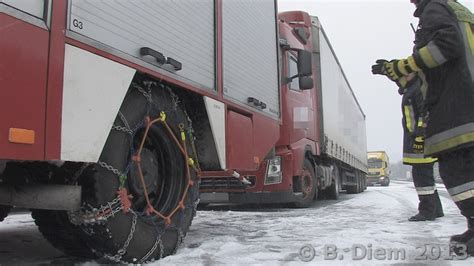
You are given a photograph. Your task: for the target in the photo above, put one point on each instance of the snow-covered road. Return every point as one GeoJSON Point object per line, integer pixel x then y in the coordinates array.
{"type": "Point", "coordinates": [368, 228]}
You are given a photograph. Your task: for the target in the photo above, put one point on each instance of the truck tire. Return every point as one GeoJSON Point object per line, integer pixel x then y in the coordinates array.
{"type": "Point", "coordinates": [61, 234]}
{"type": "Point", "coordinates": [139, 235]}
{"type": "Point", "coordinates": [55, 225]}
{"type": "Point", "coordinates": [4, 210]}
{"type": "Point", "coordinates": [359, 183]}
{"type": "Point", "coordinates": [332, 192]}
{"type": "Point", "coordinates": [354, 189]}
{"type": "Point", "coordinates": [308, 185]}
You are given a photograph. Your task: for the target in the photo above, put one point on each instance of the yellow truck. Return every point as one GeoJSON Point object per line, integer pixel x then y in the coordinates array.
{"type": "Point", "coordinates": [379, 168]}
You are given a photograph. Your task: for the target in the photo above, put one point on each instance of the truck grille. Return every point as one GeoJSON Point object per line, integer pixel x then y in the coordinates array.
{"type": "Point", "coordinates": [374, 173]}
{"type": "Point", "coordinates": [216, 184]}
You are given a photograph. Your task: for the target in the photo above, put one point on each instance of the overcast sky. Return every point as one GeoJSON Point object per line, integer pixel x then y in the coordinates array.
{"type": "Point", "coordinates": [360, 33]}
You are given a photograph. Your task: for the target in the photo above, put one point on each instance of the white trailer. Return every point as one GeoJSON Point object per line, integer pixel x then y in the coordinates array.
{"type": "Point", "coordinates": [342, 129]}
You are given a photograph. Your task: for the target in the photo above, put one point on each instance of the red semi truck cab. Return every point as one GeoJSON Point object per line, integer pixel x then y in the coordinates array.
{"type": "Point", "coordinates": [298, 127]}
{"type": "Point", "coordinates": [322, 143]}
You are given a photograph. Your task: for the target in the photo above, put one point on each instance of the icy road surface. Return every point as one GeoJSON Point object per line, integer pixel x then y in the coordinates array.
{"type": "Point", "coordinates": [363, 229]}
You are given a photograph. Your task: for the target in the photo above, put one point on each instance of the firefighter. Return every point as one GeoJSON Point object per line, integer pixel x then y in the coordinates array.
{"type": "Point", "coordinates": [445, 53]}
{"type": "Point", "coordinates": [429, 207]}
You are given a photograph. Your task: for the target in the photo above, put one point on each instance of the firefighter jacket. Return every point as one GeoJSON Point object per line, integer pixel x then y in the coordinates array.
{"type": "Point", "coordinates": [444, 50]}
{"type": "Point", "coordinates": [413, 121]}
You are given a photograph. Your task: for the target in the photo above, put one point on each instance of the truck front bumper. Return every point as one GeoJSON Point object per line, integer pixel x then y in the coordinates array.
{"type": "Point", "coordinates": [249, 198]}
{"type": "Point", "coordinates": [371, 181]}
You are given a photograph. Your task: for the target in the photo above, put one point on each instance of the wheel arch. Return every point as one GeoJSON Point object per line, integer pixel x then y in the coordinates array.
{"type": "Point", "coordinates": [302, 150]}
{"type": "Point", "coordinates": [195, 107]}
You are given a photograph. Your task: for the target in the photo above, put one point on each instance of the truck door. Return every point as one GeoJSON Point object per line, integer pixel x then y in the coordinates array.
{"type": "Point", "coordinates": [24, 41]}
{"type": "Point", "coordinates": [299, 104]}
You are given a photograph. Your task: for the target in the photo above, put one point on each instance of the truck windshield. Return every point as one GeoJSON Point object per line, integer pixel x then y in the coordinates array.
{"type": "Point", "coordinates": [375, 163]}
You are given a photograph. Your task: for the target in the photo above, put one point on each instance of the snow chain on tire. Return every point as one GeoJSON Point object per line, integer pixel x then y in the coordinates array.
{"type": "Point", "coordinates": [150, 123]}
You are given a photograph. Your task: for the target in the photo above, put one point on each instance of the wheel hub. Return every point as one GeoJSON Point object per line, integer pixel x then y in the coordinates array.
{"type": "Point", "coordinates": [149, 165]}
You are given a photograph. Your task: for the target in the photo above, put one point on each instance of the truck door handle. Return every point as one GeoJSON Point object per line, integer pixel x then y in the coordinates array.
{"type": "Point", "coordinates": [160, 58]}
{"type": "Point", "coordinates": [257, 103]}
{"type": "Point", "coordinates": [175, 63]}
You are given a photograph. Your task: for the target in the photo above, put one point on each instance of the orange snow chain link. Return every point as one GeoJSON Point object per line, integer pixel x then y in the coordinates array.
{"type": "Point", "coordinates": [188, 161]}
{"type": "Point", "coordinates": [125, 199]}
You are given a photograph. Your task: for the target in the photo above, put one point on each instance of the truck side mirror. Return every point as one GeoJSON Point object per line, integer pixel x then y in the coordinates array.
{"type": "Point", "coordinates": [305, 67]}
{"type": "Point", "coordinates": [306, 83]}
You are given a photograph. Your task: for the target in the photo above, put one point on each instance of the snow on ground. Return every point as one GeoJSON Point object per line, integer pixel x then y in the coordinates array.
{"type": "Point", "coordinates": [21, 242]}
{"type": "Point", "coordinates": [374, 221]}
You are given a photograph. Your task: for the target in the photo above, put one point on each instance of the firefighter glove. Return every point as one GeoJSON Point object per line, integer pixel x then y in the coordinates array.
{"type": "Point", "coordinates": [378, 68]}
{"type": "Point", "coordinates": [396, 69]}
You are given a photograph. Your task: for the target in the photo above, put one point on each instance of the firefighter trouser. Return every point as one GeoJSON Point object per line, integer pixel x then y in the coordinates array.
{"type": "Point", "coordinates": [430, 204]}
{"type": "Point", "coordinates": [457, 171]}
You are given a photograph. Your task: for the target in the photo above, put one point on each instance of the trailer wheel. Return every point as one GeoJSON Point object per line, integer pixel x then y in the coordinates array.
{"type": "Point", "coordinates": [365, 181]}
{"type": "Point", "coordinates": [4, 210]}
{"type": "Point", "coordinates": [354, 189]}
{"type": "Point", "coordinates": [160, 215]}
{"type": "Point", "coordinates": [307, 184]}
{"type": "Point", "coordinates": [332, 192]}
{"type": "Point", "coordinates": [359, 183]}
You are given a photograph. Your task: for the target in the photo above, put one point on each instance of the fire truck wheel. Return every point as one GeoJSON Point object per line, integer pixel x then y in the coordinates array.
{"type": "Point", "coordinates": [140, 236]}
{"type": "Point", "coordinates": [55, 225]}
{"type": "Point", "coordinates": [61, 234]}
{"type": "Point", "coordinates": [4, 210]}
{"type": "Point", "coordinates": [308, 185]}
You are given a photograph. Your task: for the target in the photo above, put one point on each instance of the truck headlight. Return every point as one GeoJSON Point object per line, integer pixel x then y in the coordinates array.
{"type": "Point", "coordinates": [382, 178]}
{"type": "Point", "coordinates": [274, 175]}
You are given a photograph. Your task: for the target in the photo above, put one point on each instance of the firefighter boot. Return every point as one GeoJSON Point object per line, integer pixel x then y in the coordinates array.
{"type": "Point", "coordinates": [420, 217]}
{"type": "Point", "coordinates": [438, 205]}
{"type": "Point", "coordinates": [463, 244]}
{"type": "Point", "coordinates": [426, 209]}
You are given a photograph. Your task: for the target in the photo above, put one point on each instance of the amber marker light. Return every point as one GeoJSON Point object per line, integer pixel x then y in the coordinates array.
{"type": "Point", "coordinates": [21, 136]}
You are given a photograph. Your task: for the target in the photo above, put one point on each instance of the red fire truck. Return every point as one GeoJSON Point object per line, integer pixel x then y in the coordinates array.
{"type": "Point", "coordinates": [113, 113]}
